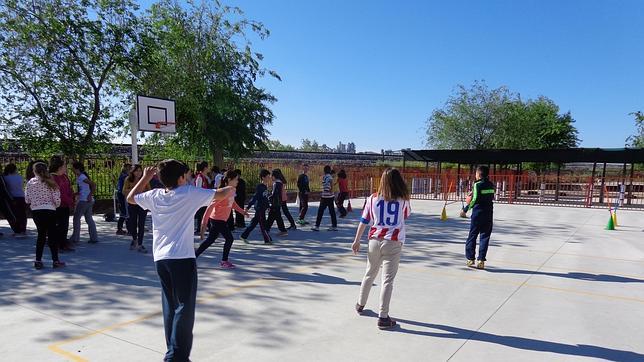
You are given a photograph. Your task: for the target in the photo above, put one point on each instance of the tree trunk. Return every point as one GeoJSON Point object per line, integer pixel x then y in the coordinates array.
{"type": "Point", "coordinates": [218, 158]}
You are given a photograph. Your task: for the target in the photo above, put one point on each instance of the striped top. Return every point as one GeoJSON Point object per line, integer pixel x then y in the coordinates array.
{"type": "Point", "coordinates": [386, 217]}
{"type": "Point", "coordinates": [327, 187]}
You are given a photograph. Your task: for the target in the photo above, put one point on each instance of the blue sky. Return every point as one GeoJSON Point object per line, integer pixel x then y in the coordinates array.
{"type": "Point", "coordinates": [371, 72]}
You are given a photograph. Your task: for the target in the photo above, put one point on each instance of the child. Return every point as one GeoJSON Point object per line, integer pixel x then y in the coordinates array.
{"type": "Point", "coordinates": [218, 213]}
{"type": "Point", "coordinates": [343, 185]}
{"type": "Point", "coordinates": [136, 214]}
{"type": "Point", "coordinates": [481, 204]}
{"type": "Point", "coordinates": [86, 189]}
{"type": "Point", "coordinates": [172, 210]}
{"type": "Point", "coordinates": [285, 210]}
{"type": "Point", "coordinates": [120, 199]}
{"type": "Point", "coordinates": [387, 211]}
{"type": "Point", "coordinates": [43, 196]}
{"type": "Point", "coordinates": [275, 212]}
{"type": "Point", "coordinates": [260, 201]}
{"type": "Point", "coordinates": [303, 194]}
{"type": "Point", "coordinates": [326, 201]}
{"type": "Point", "coordinates": [14, 183]}
{"type": "Point", "coordinates": [58, 171]}
{"type": "Point", "coordinates": [202, 181]}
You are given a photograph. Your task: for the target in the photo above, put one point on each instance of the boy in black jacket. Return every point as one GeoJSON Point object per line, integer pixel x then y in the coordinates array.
{"type": "Point", "coordinates": [261, 203]}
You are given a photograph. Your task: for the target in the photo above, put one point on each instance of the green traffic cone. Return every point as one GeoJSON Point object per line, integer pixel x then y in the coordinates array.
{"type": "Point", "coordinates": [611, 223]}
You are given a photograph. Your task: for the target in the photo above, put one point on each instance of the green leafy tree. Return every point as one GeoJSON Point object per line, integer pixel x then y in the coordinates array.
{"type": "Point", "coordinates": [468, 119]}
{"type": "Point", "coordinates": [637, 140]}
{"type": "Point", "coordinates": [197, 55]}
{"type": "Point", "coordinates": [480, 118]}
{"type": "Point", "coordinates": [276, 145]}
{"type": "Point", "coordinates": [58, 60]}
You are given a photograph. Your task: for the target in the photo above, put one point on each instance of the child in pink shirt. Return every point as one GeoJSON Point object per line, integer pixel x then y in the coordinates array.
{"type": "Point", "coordinates": [218, 213]}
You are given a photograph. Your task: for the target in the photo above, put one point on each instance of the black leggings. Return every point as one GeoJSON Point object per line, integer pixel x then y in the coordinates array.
{"type": "Point", "coordinates": [326, 203]}
{"type": "Point", "coordinates": [62, 226]}
{"type": "Point", "coordinates": [287, 213]}
{"type": "Point", "coordinates": [275, 214]}
{"type": "Point", "coordinates": [217, 227]}
{"type": "Point", "coordinates": [46, 225]}
{"type": "Point", "coordinates": [136, 223]}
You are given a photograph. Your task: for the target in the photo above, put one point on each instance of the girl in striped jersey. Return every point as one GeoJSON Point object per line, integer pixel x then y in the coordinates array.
{"type": "Point", "coordinates": [386, 211]}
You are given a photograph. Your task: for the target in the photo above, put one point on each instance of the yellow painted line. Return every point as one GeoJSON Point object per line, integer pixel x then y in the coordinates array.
{"type": "Point", "coordinates": [219, 294]}
{"type": "Point", "coordinates": [54, 348]}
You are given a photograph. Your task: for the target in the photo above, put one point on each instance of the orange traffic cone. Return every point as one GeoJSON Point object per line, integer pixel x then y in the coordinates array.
{"type": "Point", "coordinates": [349, 208]}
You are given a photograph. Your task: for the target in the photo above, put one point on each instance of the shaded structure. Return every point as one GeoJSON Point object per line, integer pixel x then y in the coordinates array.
{"type": "Point", "coordinates": [559, 157]}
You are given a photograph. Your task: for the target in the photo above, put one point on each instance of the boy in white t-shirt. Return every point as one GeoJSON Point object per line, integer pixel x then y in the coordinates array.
{"type": "Point", "coordinates": [173, 210]}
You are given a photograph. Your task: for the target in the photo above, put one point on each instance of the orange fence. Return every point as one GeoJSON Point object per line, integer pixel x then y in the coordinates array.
{"type": "Point", "coordinates": [570, 191]}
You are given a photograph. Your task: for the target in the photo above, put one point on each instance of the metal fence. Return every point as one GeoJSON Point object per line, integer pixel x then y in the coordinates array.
{"type": "Point", "coordinates": [571, 191]}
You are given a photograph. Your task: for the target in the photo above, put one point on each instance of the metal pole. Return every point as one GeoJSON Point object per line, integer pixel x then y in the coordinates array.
{"type": "Point", "coordinates": [601, 190]}
{"type": "Point", "coordinates": [557, 186]}
{"type": "Point", "coordinates": [133, 130]}
{"type": "Point", "coordinates": [630, 187]}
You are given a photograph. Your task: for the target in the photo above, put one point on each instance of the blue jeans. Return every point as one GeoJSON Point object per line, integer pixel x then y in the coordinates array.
{"type": "Point", "coordinates": [479, 225]}
{"type": "Point", "coordinates": [178, 279]}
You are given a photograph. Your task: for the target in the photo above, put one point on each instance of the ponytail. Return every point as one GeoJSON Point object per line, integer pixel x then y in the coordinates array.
{"type": "Point", "coordinates": [40, 170]}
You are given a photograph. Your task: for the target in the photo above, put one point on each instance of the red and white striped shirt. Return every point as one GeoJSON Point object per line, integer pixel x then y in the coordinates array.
{"type": "Point", "coordinates": [387, 218]}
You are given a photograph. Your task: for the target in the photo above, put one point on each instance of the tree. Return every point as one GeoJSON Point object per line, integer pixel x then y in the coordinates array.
{"type": "Point", "coordinates": [190, 53]}
{"type": "Point", "coordinates": [480, 118]}
{"type": "Point", "coordinates": [276, 145]}
{"type": "Point", "coordinates": [58, 60]}
{"type": "Point", "coordinates": [637, 140]}
{"type": "Point", "coordinates": [468, 119]}
{"type": "Point", "coordinates": [309, 146]}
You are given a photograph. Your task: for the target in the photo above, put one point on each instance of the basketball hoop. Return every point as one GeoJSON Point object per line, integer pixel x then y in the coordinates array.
{"type": "Point", "coordinates": [163, 125]}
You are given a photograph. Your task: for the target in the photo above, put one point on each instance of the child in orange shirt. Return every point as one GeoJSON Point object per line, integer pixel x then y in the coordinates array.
{"type": "Point", "coordinates": [218, 213]}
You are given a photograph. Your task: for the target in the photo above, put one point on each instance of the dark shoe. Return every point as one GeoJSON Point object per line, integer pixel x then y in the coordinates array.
{"type": "Point", "coordinates": [142, 249]}
{"type": "Point", "coordinates": [292, 227]}
{"type": "Point", "coordinates": [121, 232]}
{"type": "Point", "coordinates": [92, 241]}
{"type": "Point", "coordinates": [359, 308]}
{"type": "Point", "coordinates": [59, 264]}
{"type": "Point", "coordinates": [38, 265]}
{"type": "Point", "coordinates": [268, 243]}
{"type": "Point", "coordinates": [386, 323]}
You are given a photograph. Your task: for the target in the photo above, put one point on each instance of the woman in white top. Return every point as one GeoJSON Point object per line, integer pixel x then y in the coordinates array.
{"type": "Point", "coordinates": [43, 196]}
{"type": "Point", "coordinates": [84, 205]}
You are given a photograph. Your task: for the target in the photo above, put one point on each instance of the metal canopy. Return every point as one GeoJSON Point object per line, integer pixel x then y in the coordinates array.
{"type": "Point", "coordinates": [599, 155]}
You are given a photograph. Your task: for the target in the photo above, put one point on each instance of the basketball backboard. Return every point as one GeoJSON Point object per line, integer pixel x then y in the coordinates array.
{"type": "Point", "coordinates": [155, 114]}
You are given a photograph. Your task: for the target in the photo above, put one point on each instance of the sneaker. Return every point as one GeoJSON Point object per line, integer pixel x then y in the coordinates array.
{"type": "Point", "coordinates": [480, 264]}
{"type": "Point", "coordinates": [226, 265]}
{"type": "Point", "coordinates": [283, 233]}
{"type": "Point", "coordinates": [58, 264]}
{"type": "Point", "coordinates": [470, 262]}
{"type": "Point", "coordinates": [92, 242]}
{"type": "Point", "coordinates": [333, 228]}
{"type": "Point", "coordinates": [306, 222]}
{"type": "Point", "coordinates": [142, 249]}
{"type": "Point", "coordinates": [300, 222]}
{"type": "Point", "coordinates": [315, 228]}
{"type": "Point", "coordinates": [386, 323]}
{"type": "Point", "coordinates": [292, 227]}
{"type": "Point", "coordinates": [268, 243]}
{"type": "Point", "coordinates": [359, 308]}
{"type": "Point", "coordinates": [245, 240]}
{"type": "Point", "coordinates": [38, 265]}
{"type": "Point", "coordinates": [121, 232]}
